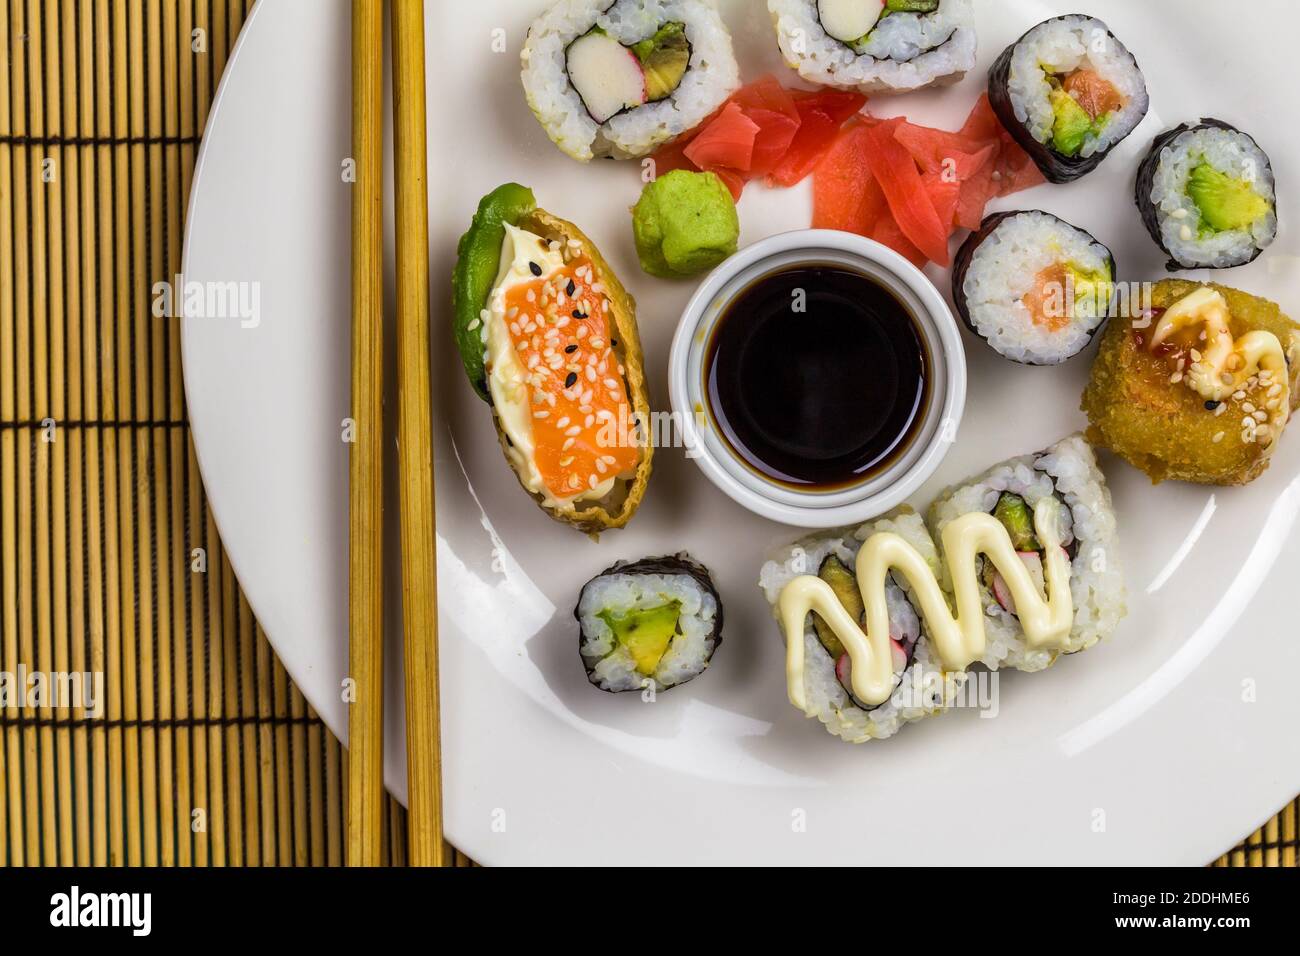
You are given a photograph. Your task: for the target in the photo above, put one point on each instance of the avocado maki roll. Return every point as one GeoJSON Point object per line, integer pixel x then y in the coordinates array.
{"type": "Point", "coordinates": [618, 78]}
{"type": "Point", "coordinates": [1207, 196]}
{"type": "Point", "coordinates": [548, 338]}
{"type": "Point", "coordinates": [921, 687]}
{"type": "Point", "coordinates": [648, 624]}
{"type": "Point", "coordinates": [876, 45]}
{"type": "Point", "coordinates": [1032, 286]}
{"type": "Point", "coordinates": [1066, 472]}
{"type": "Point", "coordinates": [1197, 384]}
{"type": "Point", "coordinates": [1069, 92]}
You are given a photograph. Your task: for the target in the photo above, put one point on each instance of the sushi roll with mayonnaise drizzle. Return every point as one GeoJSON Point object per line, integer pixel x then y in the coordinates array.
{"type": "Point", "coordinates": [1207, 196]}
{"type": "Point", "coordinates": [876, 45]}
{"type": "Point", "coordinates": [921, 687]}
{"type": "Point", "coordinates": [1066, 473]}
{"type": "Point", "coordinates": [648, 625]}
{"type": "Point", "coordinates": [1069, 92]}
{"type": "Point", "coordinates": [1035, 288]}
{"type": "Point", "coordinates": [619, 78]}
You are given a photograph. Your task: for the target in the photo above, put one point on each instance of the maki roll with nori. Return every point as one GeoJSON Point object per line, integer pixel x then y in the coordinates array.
{"type": "Point", "coordinates": [1207, 196]}
{"type": "Point", "coordinates": [1034, 287]}
{"type": "Point", "coordinates": [649, 624]}
{"type": "Point", "coordinates": [1066, 472]}
{"type": "Point", "coordinates": [1069, 92]}
{"type": "Point", "coordinates": [921, 688]}
{"type": "Point", "coordinates": [618, 78]}
{"type": "Point", "coordinates": [876, 45]}
{"type": "Point", "coordinates": [1196, 384]}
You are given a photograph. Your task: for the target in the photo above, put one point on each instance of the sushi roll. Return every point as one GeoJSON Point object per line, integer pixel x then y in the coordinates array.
{"type": "Point", "coordinates": [1032, 286]}
{"type": "Point", "coordinates": [548, 338]}
{"type": "Point", "coordinates": [1207, 196]}
{"type": "Point", "coordinates": [1066, 472]}
{"type": "Point", "coordinates": [618, 78]}
{"type": "Point", "coordinates": [1197, 384]}
{"type": "Point", "coordinates": [921, 688]}
{"type": "Point", "coordinates": [648, 625]}
{"type": "Point", "coordinates": [1069, 92]}
{"type": "Point", "coordinates": [876, 45]}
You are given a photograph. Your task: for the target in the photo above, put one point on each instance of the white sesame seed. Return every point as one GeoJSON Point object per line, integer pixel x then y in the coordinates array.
{"type": "Point", "coordinates": [591, 374]}
{"type": "Point", "coordinates": [1218, 437]}
{"type": "Point", "coordinates": [611, 383]}
{"type": "Point", "coordinates": [1175, 378]}
{"type": "Point", "coordinates": [589, 421]}
{"type": "Point", "coordinates": [593, 481]}
{"type": "Point", "coordinates": [473, 325]}
{"type": "Point", "coordinates": [1261, 415]}
{"type": "Point", "coordinates": [574, 431]}
{"type": "Point", "coordinates": [568, 443]}
{"type": "Point", "coordinates": [601, 466]}
{"type": "Point", "coordinates": [1178, 214]}
{"type": "Point", "coordinates": [1185, 233]}
{"type": "Point", "coordinates": [1248, 408]}
{"type": "Point", "coordinates": [566, 461]}
{"type": "Point", "coordinates": [541, 414]}
{"type": "Point", "coordinates": [562, 422]}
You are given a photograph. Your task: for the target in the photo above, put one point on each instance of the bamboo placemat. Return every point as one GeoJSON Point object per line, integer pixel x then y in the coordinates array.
{"type": "Point", "coordinates": [206, 753]}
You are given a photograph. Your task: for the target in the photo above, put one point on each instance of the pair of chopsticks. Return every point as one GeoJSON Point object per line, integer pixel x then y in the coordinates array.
{"type": "Point", "coordinates": [414, 442]}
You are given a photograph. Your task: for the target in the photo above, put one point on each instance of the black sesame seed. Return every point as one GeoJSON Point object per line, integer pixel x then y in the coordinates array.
{"type": "Point", "coordinates": [578, 314]}
{"type": "Point", "coordinates": [537, 270]}
{"type": "Point", "coordinates": [1211, 405]}
{"type": "Point", "coordinates": [571, 349]}
{"type": "Point", "coordinates": [570, 288]}
{"type": "Point", "coordinates": [568, 382]}
{"type": "Point", "coordinates": [613, 342]}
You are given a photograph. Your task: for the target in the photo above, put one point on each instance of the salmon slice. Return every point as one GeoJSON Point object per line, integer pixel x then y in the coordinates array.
{"type": "Point", "coordinates": [1046, 299]}
{"type": "Point", "coordinates": [1093, 92]}
{"type": "Point", "coordinates": [582, 421]}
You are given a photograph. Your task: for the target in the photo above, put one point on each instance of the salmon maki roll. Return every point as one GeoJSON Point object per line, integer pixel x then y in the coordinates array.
{"type": "Point", "coordinates": [548, 337]}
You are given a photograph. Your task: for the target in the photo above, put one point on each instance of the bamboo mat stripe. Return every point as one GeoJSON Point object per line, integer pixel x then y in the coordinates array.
{"type": "Point", "coordinates": [205, 753]}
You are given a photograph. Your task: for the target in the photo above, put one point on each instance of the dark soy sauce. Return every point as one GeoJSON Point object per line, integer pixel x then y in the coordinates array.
{"type": "Point", "coordinates": [820, 398]}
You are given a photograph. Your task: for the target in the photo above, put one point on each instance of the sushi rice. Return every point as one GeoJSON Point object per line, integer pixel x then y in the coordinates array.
{"type": "Point", "coordinates": [921, 689]}
{"type": "Point", "coordinates": [1191, 244]}
{"type": "Point", "coordinates": [647, 585]}
{"type": "Point", "coordinates": [904, 51]}
{"type": "Point", "coordinates": [1063, 45]}
{"type": "Point", "coordinates": [1002, 263]}
{"type": "Point", "coordinates": [711, 76]}
{"type": "Point", "coordinates": [1068, 472]}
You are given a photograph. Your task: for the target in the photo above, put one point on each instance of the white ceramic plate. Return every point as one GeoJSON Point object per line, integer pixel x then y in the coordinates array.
{"type": "Point", "coordinates": [1163, 745]}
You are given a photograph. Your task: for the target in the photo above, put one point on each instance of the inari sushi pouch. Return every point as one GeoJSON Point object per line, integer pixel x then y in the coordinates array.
{"type": "Point", "coordinates": [548, 337]}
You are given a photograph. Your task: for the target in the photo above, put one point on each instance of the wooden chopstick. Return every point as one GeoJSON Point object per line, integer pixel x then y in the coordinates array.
{"type": "Point", "coordinates": [415, 440]}
{"type": "Point", "coordinates": [366, 453]}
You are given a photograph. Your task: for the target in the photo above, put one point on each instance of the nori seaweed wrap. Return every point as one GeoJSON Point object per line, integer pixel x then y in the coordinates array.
{"type": "Point", "coordinates": [648, 625]}
{"type": "Point", "coordinates": [1208, 196]}
{"type": "Point", "coordinates": [1069, 92]}
{"type": "Point", "coordinates": [1035, 288]}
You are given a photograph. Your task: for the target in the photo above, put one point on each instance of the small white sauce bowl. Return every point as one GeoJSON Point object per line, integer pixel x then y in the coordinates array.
{"type": "Point", "coordinates": [827, 508]}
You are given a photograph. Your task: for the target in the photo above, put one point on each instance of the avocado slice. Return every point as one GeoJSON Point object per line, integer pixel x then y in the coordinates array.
{"type": "Point", "coordinates": [478, 259]}
{"type": "Point", "coordinates": [1016, 517]}
{"type": "Point", "coordinates": [1071, 125]}
{"type": "Point", "coordinates": [664, 58]}
{"type": "Point", "coordinates": [845, 586]}
{"type": "Point", "coordinates": [1091, 288]}
{"type": "Point", "coordinates": [1224, 201]}
{"type": "Point", "coordinates": [645, 632]}
{"type": "Point", "coordinates": [912, 6]}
